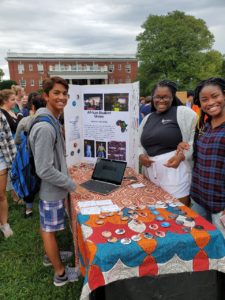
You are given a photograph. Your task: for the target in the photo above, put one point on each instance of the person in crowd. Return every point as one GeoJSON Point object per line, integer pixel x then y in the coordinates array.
{"type": "Point", "coordinates": [160, 133]}
{"type": "Point", "coordinates": [147, 107]}
{"type": "Point", "coordinates": [30, 97]}
{"type": "Point", "coordinates": [208, 178]}
{"type": "Point", "coordinates": [50, 163]}
{"type": "Point", "coordinates": [36, 102]}
{"type": "Point", "coordinates": [7, 154]}
{"type": "Point", "coordinates": [24, 102]}
{"type": "Point", "coordinates": [19, 92]}
{"type": "Point", "coordinates": [7, 103]}
{"type": "Point", "coordinates": [190, 97]}
{"type": "Point", "coordinates": [190, 102]}
{"type": "Point", "coordinates": [141, 103]}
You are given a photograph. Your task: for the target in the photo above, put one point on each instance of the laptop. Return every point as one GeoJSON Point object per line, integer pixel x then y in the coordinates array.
{"type": "Point", "coordinates": [106, 177]}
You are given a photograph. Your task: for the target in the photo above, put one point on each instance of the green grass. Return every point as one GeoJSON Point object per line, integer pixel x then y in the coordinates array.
{"type": "Point", "coordinates": [22, 274]}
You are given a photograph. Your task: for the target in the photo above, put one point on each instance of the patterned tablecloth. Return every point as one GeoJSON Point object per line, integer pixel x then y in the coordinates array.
{"type": "Point", "coordinates": [152, 235]}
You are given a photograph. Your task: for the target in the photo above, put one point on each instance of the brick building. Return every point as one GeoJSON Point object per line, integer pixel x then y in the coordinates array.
{"type": "Point", "coordinates": [29, 69]}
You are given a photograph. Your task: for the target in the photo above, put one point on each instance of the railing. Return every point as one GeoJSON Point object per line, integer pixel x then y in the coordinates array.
{"type": "Point", "coordinates": [76, 68]}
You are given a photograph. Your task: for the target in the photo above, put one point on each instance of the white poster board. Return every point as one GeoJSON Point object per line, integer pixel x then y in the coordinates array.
{"type": "Point", "coordinates": [102, 121]}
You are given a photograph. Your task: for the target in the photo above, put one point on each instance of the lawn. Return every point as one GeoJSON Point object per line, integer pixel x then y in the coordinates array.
{"type": "Point", "coordinates": [22, 274]}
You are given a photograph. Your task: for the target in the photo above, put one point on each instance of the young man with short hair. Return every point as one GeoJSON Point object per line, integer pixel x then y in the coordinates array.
{"type": "Point", "coordinates": [48, 148]}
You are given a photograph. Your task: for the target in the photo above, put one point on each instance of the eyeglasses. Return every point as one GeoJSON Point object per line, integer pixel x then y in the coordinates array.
{"type": "Point", "coordinates": [165, 98]}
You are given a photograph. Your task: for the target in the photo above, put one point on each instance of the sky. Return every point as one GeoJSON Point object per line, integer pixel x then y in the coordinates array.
{"type": "Point", "coordinates": [92, 26]}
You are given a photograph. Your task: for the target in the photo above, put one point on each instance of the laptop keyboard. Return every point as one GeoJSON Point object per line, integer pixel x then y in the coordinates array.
{"type": "Point", "coordinates": [99, 186]}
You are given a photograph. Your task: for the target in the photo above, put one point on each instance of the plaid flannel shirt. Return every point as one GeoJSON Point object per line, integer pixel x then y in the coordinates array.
{"type": "Point", "coordinates": [7, 144]}
{"type": "Point", "coordinates": [208, 179]}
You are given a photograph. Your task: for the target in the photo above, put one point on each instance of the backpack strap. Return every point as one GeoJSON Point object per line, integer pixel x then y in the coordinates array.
{"type": "Point", "coordinates": [45, 118]}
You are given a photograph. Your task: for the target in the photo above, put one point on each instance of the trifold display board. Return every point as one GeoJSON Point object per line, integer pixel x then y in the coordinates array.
{"type": "Point", "coordinates": [102, 121]}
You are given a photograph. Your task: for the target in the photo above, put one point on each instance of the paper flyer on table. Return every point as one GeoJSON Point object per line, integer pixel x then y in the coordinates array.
{"type": "Point", "coordinates": [109, 208]}
{"type": "Point", "coordinates": [90, 210]}
{"type": "Point", "coordinates": [90, 203]}
{"type": "Point", "coordinates": [94, 203]}
{"type": "Point", "coordinates": [104, 202]}
{"type": "Point", "coordinates": [94, 207]}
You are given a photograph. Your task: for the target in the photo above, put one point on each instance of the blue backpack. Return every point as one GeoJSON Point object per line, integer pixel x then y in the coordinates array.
{"type": "Point", "coordinates": [23, 175]}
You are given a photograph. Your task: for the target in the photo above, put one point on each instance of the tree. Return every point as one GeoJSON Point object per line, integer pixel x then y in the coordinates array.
{"type": "Point", "coordinates": [176, 47]}
{"type": "Point", "coordinates": [212, 64]}
{"type": "Point", "coordinates": [223, 67]}
{"type": "Point", "coordinates": [1, 74]}
{"type": "Point", "coordinates": [6, 84]}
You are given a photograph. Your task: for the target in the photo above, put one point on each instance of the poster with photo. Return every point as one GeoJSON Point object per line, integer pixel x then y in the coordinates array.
{"type": "Point", "coordinates": [101, 149]}
{"type": "Point", "coordinates": [108, 123]}
{"type": "Point", "coordinates": [93, 102]}
{"type": "Point", "coordinates": [89, 148]}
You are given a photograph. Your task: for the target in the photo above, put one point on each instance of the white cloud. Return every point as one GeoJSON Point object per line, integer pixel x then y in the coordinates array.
{"type": "Point", "coordinates": [100, 26]}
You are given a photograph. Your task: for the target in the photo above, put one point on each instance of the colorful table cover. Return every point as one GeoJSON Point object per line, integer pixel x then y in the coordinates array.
{"type": "Point", "coordinates": [124, 196]}
{"type": "Point", "coordinates": [152, 235]}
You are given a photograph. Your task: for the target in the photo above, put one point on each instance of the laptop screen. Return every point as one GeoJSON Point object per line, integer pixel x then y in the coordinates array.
{"type": "Point", "coordinates": [109, 170]}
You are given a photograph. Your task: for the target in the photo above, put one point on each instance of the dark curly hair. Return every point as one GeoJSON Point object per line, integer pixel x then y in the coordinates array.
{"type": "Point", "coordinates": [203, 118]}
{"type": "Point", "coordinates": [172, 87]}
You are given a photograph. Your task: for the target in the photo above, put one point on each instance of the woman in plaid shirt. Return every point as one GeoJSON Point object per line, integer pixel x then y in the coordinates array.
{"type": "Point", "coordinates": [208, 180]}
{"type": "Point", "coordinates": [7, 154]}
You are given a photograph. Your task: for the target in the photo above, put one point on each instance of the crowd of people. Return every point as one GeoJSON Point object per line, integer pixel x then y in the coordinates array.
{"type": "Point", "coordinates": [181, 149]}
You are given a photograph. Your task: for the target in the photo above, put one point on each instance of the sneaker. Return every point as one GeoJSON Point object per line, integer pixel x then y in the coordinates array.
{"type": "Point", "coordinates": [69, 276]}
{"type": "Point", "coordinates": [64, 255]}
{"type": "Point", "coordinates": [6, 229]}
{"type": "Point", "coordinates": [28, 214]}
{"type": "Point", "coordinates": [72, 274]}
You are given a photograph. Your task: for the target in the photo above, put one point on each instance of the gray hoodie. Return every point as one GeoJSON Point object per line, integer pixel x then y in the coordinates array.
{"type": "Point", "coordinates": [50, 159]}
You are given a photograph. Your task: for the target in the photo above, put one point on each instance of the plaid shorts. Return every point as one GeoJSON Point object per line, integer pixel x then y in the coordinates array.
{"type": "Point", "coordinates": [52, 215]}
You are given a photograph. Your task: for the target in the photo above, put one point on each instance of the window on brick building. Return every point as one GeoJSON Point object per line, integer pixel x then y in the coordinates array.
{"type": "Point", "coordinates": [95, 67]}
{"type": "Point", "coordinates": [32, 82]}
{"type": "Point", "coordinates": [30, 67]}
{"type": "Point", "coordinates": [40, 67]}
{"type": "Point", "coordinates": [68, 67]}
{"type": "Point", "coordinates": [128, 68]}
{"type": "Point", "coordinates": [119, 67]}
{"type": "Point", "coordinates": [20, 68]}
{"type": "Point", "coordinates": [22, 83]}
{"type": "Point", "coordinates": [111, 68]}
{"type": "Point", "coordinates": [73, 68]}
{"type": "Point", "coordinates": [40, 82]}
